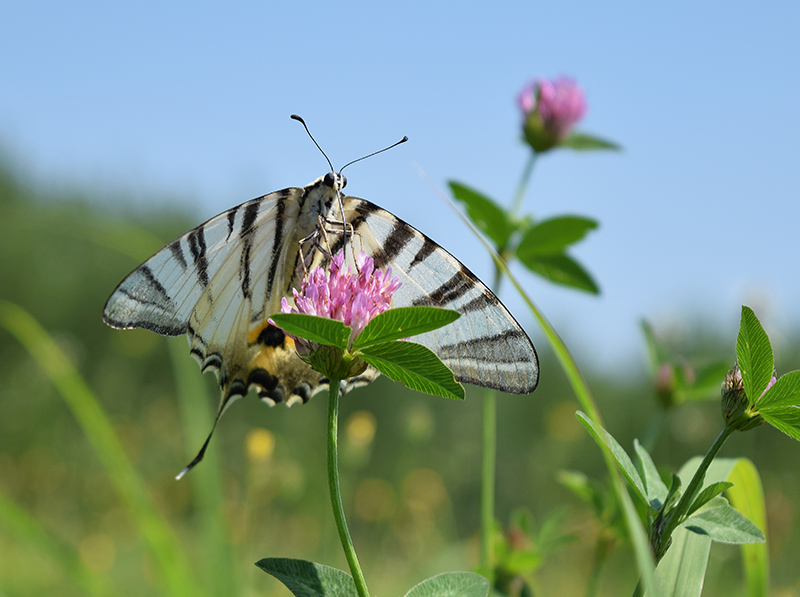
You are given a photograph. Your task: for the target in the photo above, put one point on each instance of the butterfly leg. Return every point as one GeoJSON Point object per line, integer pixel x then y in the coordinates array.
{"type": "Point", "coordinates": [340, 228]}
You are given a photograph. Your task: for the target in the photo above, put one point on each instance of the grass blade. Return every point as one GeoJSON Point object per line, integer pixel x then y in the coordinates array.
{"type": "Point", "coordinates": [166, 551]}
{"type": "Point", "coordinates": [747, 496]}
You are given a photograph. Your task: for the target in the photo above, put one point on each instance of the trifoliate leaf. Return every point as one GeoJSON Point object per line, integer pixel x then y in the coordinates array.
{"type": "Point", "coordinates": [403, 322]}
{"type": "Point", "coordinates": [561, 269]}
{"type": "Point", "coordinates": [489, 217]}
{"type": "Point", "coordinates": [415, 366]}
{"type": "Point", "coordinates": [322, 330]}
{"type": "Point", "coordinates": [754, 354]}
{"type": "Point", "coordinates": [553, 235]}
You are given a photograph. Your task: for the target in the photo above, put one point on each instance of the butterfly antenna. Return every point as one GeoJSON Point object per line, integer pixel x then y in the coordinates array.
{"type": "Point", "coordinates": [403, 140]}
{"type": "Point", "coordinates": [305, 126]}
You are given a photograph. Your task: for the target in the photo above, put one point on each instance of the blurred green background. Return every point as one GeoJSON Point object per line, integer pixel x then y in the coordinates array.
{"type": "Point", "coordinates": [410, 463]}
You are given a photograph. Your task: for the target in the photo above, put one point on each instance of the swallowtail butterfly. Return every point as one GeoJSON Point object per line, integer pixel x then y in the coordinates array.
{"type": "Point", "coordinates": [219, 282]}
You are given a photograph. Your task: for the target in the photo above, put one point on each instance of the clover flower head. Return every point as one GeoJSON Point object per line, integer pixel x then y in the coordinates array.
{"type": "Point", "coordinates": [353, 298]}
{"type": "Point", "coordinates": [551, 109]}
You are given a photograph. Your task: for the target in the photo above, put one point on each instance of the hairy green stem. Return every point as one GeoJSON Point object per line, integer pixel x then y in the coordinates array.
{"type": "Point", "coordinates": [488, 478]}
{"type": "Point", "coordinates": [488, 464]}
{"type": "Point", "coordinates": [579, 386]}
{"type": "Point", "coordinates": [489, 454]}
{"type": "Point", "coordinates": [336, 495]}
{"type": "Point", "coordinates": [677, 516]}
{"type": "Point", "coordinates": [584, 395]}
{"type": "Point", "coordinates": [568, 364]}
{"type": "Point", "coordinates": [516, 204]}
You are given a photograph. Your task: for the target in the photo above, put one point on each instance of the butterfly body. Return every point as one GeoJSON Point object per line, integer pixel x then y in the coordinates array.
{"type": "Point", "coordinates": [219, 283]}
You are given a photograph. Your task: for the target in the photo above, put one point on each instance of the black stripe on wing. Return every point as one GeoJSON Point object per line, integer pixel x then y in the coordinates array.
{"type": "Point", "coordinates": [454, 288]}
{"type": "Point", "coordinates": [277, 247]}
{"type": "Point", "coordinates": [426, 250]}
{"type": "Point", "coordinates": [177, 252]}
{"type": "Point", "coordinates": [197, 245]}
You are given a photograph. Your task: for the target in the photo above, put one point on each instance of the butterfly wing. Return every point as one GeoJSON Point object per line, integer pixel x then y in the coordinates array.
{"type": "Point", "coordinates": [485, 346]}
{"type": "Point", "coordinates": [217, 284]}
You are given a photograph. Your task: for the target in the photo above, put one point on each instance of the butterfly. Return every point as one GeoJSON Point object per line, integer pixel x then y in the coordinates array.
{"type": "Point", "coordinates": [221, 281]}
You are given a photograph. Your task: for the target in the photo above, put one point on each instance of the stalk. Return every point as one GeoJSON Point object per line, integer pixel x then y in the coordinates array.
{"type": "Point", "coordinates": [336, 494]}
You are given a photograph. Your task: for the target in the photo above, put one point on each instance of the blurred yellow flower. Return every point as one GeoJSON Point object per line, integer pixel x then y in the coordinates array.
{"type": "Point", "coordinates": [360, 429]}
{"type": "Point", "coordinates": [259, 445]}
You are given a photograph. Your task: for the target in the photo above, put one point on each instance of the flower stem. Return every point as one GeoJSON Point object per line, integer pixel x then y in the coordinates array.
{"type": "Point", "coordinates": [636, 530]}
{"type": "Point", "coordinates": [336, 495]}
{"type": "Point", "coordinates": [488, 478]}
{"type": "Point", "coordinates": [489, 452]}
{"type": "Point", "coordinates": [677, 516]}
{"type": "Point", "coordinates": [516, 204]}
{"type": "Point", "coordinates": [488, 463]}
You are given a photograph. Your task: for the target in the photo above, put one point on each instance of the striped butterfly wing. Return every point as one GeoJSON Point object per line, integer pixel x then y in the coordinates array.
{"type": "Point", "coordinates": [485, 346]}
{"type": "Point", "coordinates": [219, 283]}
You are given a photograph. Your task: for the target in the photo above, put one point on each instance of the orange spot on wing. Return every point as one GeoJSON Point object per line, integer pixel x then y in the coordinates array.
{"type": "Point", "coordinates": [253, 334]}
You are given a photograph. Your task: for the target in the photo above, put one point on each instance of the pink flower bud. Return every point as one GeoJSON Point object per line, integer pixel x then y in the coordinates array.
{"type": "Point", "coordinates": [737, 410]}
{"type": "Point", "coordinates": [551, 109]}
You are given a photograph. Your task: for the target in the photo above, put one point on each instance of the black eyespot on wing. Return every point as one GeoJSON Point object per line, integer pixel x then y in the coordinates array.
{"type": "Point", "coordinates": [303, 390]}
{"type": "Point", "coordinates": [276, 394]}
{"type": "Point", "coordinates": [271, 336]}
{"type": "Point", "coordinates": [212, 361]}
{"type": "Point", "coordinates": [266, 382]}
{"type": "Point", "coordinates": [238, 388]}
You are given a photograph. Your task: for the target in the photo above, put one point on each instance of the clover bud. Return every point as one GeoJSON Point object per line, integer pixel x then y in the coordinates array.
{"type": "Point", "coordinates": [737, 410]}
{"type": "Point", "coordinates": [550, 110]}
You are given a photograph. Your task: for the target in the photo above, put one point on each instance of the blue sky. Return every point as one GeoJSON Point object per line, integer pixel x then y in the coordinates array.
{"type": "Point", "coordinates": [190, 102]}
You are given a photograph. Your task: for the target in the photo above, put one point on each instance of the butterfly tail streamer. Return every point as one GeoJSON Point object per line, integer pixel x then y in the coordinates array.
{"type": "Point", "coordinates": [202, 452]}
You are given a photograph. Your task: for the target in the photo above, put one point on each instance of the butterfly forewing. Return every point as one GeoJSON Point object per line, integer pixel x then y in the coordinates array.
{"type": "Point", "coordinates": [218, 283]}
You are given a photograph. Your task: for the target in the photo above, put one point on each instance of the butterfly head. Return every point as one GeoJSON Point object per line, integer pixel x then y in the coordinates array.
{"type": "Point", "coordinates": [335, 180]}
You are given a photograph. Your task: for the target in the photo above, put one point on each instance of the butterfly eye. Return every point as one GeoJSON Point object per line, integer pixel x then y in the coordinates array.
{"type": "Point", "coordinates": [331, 179]}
